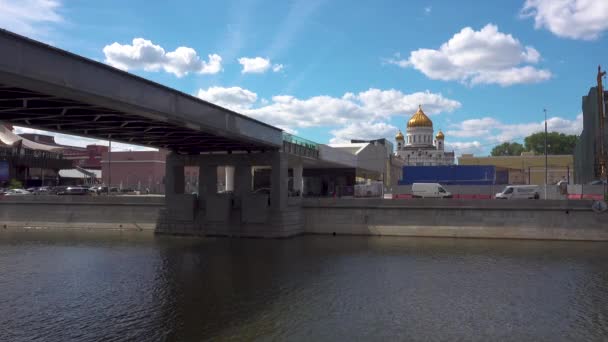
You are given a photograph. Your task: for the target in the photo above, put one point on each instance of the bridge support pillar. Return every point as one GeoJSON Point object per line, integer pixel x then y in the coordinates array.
{"type": "Point", "coordinates": [298, 184]}
{"type": "Point", "coordinates": [207, 180]}
{"type": "Point", "coordinates": [180, 206]}
{"type": "Point", "coordinates": [278, 181]}
{"type": "Point", "coordinates": [174, 175]}
{"type": "Point", "coordinates": [241, 213]}
{"type": "Point", "coordinates": [242, 179]}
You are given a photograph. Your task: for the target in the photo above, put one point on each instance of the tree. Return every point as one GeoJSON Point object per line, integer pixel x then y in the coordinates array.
{"type": "Point", "coordinates": [15, 184]}
{"type": "Point", "coordinates": [557, 143]}
{"type": "Point", "coordinates": [508, 149]}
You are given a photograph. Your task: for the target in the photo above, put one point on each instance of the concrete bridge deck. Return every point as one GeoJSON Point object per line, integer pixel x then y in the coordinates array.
{"type": "Point", "coordinates": [52, 89]}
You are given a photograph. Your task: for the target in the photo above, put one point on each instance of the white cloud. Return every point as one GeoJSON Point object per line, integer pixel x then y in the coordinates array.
{"type": "Point", "coordinates": [575, 19]}
{"type": "Point", "coordinates": [391, 102]}
{"type": "Point", "coordinates": [493, 130]}
{"type": "Point", "coordinates": [288, 111]}
{"type": "Point", "coordinates": [143, 54]}
{"type": "Point", "coordinates": [474, 57]}
{"type": "Point", "coordinates": [474, 147]}
{"type": "Point", "coordinates": [258, 65]}
{"type": "Point", "coordinates": [428, 9]}
{"type": "Point", "coordinates": [372, 104]}
{"type": "Point", "coordinates": [364, 113]}
{"type": "Point", "coordinates": [29, 17]}
{"type": "Point", "coordinates": [363, 130]}
{"type": "Point", "coordinates": [474, 128]}
{"type": "Point", "coordinates": [235, 98]}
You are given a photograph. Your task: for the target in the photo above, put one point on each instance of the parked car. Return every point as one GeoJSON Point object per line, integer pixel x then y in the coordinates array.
{"type": "Point", "coordinates": [17, 192]}
{"type": "Point", "coordinates": [58, 190]}
{"type": "Point", "coordinates": [43, 190]}
{"type": "Point", "coordinates": [597, 182]}
{"type": "Point", "coordinates": [103, 189]}
{"type": "Point", "coordinates": [429, 190]}
{"type": "Point", "coordinates": [75, 190]}
{"type": "Point", "coordinates": [519, 192]}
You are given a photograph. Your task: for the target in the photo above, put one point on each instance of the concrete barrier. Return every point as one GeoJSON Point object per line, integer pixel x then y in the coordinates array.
{"type": "Point", "coordinates": [524, 219]}
{"type": "Point", "coordinates": [138, 213]}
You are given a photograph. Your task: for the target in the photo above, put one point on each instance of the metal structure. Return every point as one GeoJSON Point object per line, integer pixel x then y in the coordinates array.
{"type": "Point", "coordinates": [299, 146]}
{"type": "Point", "coordinates": [546, 155]}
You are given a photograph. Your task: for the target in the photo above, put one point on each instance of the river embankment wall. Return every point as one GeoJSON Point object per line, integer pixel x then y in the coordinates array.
{"type": "Point", "coordinates": [522, 219]}
{"type": "Point", "coordinates": [136, 213]}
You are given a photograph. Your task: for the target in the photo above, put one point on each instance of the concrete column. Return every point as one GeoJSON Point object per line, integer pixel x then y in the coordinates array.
{"type": "Point", "coordinates": [298, 181]}
{"type": "Point", "coordinates": [279, 180]}
{"type": "Point", "coordinates": [207, 180]}
{"type": "Point", "coordinates": [229, 172]}
{"type": "Point", "coordinates": [242, 179]}
{"type": "Point", "coordinates": [174, 175]}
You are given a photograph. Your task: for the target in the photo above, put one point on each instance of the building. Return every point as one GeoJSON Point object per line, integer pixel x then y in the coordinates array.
{"type": "Point", "coordinates": [587, 147]}
{"type": "Point", "coordinates": [418, 146]}
{"type": "Point", "coordinates": [27, 161]}
{"type": "Point", "coordinates": [88, 157]}
{"type": "Point", "coordinates": [527, 168]}
{"type": "Point", "coordinates": [373, 160]}
{"type": "Point", "coordinates": [137, 170]}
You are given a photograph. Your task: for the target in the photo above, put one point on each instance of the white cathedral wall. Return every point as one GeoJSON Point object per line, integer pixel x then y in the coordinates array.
{"type": "Point", "coordinates": [419, 136]}
{"type": "Point", "coordinates": [426, 157]}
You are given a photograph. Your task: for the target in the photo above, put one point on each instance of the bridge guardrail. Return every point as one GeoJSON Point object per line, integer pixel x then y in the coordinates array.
{"type": "Point", "coordinates": [300, 146]}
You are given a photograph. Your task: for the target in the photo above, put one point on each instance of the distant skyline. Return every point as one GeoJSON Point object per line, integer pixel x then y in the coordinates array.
{"type": "Point", "coordinates": [331, 71]}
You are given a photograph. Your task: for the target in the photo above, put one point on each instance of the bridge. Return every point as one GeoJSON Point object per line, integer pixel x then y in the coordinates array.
{"type": "Point", "coordinates": [51, 89]}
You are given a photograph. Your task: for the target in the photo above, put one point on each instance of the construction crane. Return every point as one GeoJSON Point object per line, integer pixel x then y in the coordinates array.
{"type": "Point", "coordinates": [601, 151]}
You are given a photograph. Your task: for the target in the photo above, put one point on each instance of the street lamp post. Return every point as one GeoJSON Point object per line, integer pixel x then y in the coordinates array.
{"type": "Point", "coordinates": [546, 158]}
{"type": "Point", "coordinates": [109, 164]}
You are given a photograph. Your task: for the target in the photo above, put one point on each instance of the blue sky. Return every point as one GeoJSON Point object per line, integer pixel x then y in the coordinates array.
{"type": "Point", "coordinates": [334, 70]}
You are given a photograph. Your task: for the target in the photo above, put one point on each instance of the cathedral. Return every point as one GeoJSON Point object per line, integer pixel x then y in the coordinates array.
{"type": "Point", "coordinates": [418, 148]}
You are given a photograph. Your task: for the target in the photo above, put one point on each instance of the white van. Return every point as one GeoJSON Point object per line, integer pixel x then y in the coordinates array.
{"type": "Point", "coordinates": [429, 190]}
{"type": "Point", "coordinates": [519, 192]}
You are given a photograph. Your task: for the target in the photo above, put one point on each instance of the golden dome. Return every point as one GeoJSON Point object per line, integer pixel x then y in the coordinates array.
{"type": "Point", "coordinates": [399, 136]}
{"type": "Point", "coordinates": [419, 119]}
{"type": "Point", "coordinates": [440, 135]}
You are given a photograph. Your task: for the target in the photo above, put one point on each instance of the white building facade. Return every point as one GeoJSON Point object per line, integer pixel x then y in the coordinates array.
{"type": "Point", "coordinates": [418, 148]}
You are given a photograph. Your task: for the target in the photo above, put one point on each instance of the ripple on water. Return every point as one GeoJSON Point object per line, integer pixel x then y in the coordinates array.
{"type": "Point", "coordinates": [308, 288]}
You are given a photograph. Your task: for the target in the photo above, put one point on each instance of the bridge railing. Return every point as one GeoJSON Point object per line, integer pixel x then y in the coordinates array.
{"type": "Point", "coordinates": [300, 146]}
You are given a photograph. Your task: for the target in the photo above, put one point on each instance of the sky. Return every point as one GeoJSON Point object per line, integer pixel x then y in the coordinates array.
{"type": "Point", "coordinates": [331, 71]}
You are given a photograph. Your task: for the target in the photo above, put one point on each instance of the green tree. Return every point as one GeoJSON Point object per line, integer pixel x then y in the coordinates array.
{"type": "Point", "coordinates": [15, 184]}
{"type": "Point", "coordinates": [508, 149]}
{"type": "Point", "coordinates": [557, 143]}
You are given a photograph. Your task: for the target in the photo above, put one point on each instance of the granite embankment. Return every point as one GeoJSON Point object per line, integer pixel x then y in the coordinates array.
{"type": "Point", "coordinates": [522, 219]}
{"type": "Point", "coordinates": [137, 213]}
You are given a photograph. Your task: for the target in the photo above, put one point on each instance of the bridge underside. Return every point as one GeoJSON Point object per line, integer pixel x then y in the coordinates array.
{"type": "Point", "coordinates": [23, 107]}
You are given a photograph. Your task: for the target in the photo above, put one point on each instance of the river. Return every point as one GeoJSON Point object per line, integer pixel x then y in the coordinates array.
{"type": "Point", "coordinates": [113, 287]}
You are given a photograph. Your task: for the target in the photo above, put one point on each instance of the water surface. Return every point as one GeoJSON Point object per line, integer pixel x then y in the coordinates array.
{"type": "Point", "coordinates": [89, 287]}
